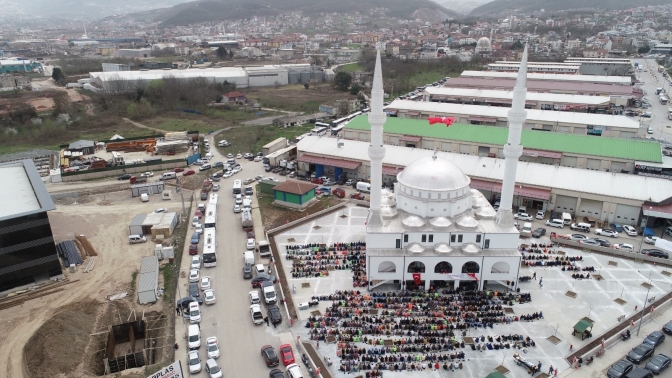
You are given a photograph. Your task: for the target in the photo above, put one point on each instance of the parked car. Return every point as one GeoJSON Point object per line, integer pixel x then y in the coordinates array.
{"type": "Point", "coordinates": [193, 249]}
{"type": "Point", "coordinates": [213, 370]}
{"type": "Point", "coordinates": [274, 314]}
{"type": "Point", "coordinates": [589, 242]}
{"type": "Point", "coordinates": [338, 192]}
{"type": "Point", "coordinates": [247, 271]}
{"type": "Point", "coordinates": [194, 275]}
{"type": "Point", "coordinates": [620, 369]}
{"type": "Point", "coordinates": [124, 177]}
{"type": "Point", "coordinates": [206, 282]}
{"type": "Point", "coordinates": [254, 297]}
{"type": "Point", "coordinates": [651, 239]}
{"type": "Point", "coordinates": [540, 214]}
{"type": "Point", "coordinates": [268, 353]}
{"type": "Point", "coordinates": [194, 362]}
{"type": "Point", "coordinates": [522, 216]}
{"type": "Point", "coordinates": [195, 238]}
{"type": "Point", "coordinates": [655, 338]}
{"type": "Point", "coordinates": [539, 232]}
{"type": "Point", "coordinates": [625, 247]}
{"type": "Point", "coordinates": [658, 363]}
{"type": "Point", "coordinates": [630, 230]}
{"type": "Point", "coordinates": [577, 237]}
{"type": "Point", "coordinates": [606, 232]}
{"type": "Point", "coordinates": [209, 297]}
{"type": "Point", "coordinates": [194, 292]}
{"type": "Point", "coordinates": [276, 373]}
{"type": "Point", "coordinates": [656, 253]}
{"type": "Point", "coordinates": [196, 262]}
{"type": "Point", "coordinates": [287, 354]}
{"type": "Point", "coordinates": [667, 328]}
{"type": "Point", "coordinates": [178, 170]}
{"type": "Point", "coordinates": [617, 227]}
{"type": "Point", "coordinates": [640, 353]}
{"type": "Point", "coordinates": [213, 347]}
{"type": "Point", "coordinates": [260, 278]}
{"type": "Point", "coordinates": [189, 172]}
{"type": "Point", "coordinates": [603, 242]}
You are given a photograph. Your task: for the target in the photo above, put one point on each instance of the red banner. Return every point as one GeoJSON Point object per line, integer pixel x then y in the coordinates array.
{"type": "Point", "coordinates": [416, 278]}
{"type": "Point", "coordinates": [473, 275]}
{"type": "Point", "coordinates": [447, 120]}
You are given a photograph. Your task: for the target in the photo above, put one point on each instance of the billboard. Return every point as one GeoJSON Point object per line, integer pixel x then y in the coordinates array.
{"type": "Point", "coordinates": [173, 370]}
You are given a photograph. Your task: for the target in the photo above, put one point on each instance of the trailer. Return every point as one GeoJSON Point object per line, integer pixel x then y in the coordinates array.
{"type": "Point", "coordinates": [288, 153]}
{"type": "Point", "coordinates": [274, 146]}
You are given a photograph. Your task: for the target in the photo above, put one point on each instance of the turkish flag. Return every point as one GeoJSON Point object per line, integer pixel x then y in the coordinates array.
{"type": "Point", "coordinates": [416, 278]}
{"type": "Point", "coordinates": [447, 120]}
{"type": "Point", "coordinates": [472, 275]}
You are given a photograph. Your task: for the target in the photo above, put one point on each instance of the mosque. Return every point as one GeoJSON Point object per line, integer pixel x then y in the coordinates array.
{"type": "Point", "coordinates": [434, 230]}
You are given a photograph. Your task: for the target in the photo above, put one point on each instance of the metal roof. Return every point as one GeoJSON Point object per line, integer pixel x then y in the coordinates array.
{"type": "Point", "coordinates": [629, 149]}
{"type": "Point", "coordinates": [138, 220]}
{"type": "Point", "coordinates": [148, 277]}
{"type": "Point", "coordinates": [542, 85]}
{"type": "Point", "coordinates": [442, 108]}
{"type": "Point", "coordinates": [24, 192]}
{"type": "Point", "coordinates": [508, 95]}
{"type": "Point", "coordinates": [616, 185]}
{"type": "Point", "coordinates": [621, 80]}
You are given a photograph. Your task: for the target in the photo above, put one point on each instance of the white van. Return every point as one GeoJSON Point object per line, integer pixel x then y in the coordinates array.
{"type": "Point", "coordinates": [194, 336]}
{"type": "Point", "coordinates": [168, 176]}
{"type": "Point", "coordinates": [247, 204]}
{"type": "Point", "coordinates": [567, 218]}
{"type": "Point", "coordinates": [268, 289]}
{"type": "Point", "coordinates": [134, 239]}
{"type": "Point", "coordinates": [555, 223]}
{"type": "Point", "coordinates": [144, 197]}
{"type": "Point", "coordinates": [294, 371]}
{"type": "Point", "coordinates": [363, 187]}
{"type": "Point", "coordinates": [248, 258]}
{"type": "Point", "coordinates": [585, 227]}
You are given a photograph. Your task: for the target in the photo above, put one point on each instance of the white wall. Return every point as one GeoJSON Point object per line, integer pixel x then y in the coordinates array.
{"type": "Point", "coordinates": [381, 241]}
{"type": "Point", "coordinates": [502, 241]}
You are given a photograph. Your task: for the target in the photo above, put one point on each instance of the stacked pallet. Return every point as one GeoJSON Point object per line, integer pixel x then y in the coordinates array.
{"type": "Point", "coordinates": [171, 147]}
{"type": "Point", "coordinates": [178, 135]}
{"type": "Point", "coordinates": [132, 146]}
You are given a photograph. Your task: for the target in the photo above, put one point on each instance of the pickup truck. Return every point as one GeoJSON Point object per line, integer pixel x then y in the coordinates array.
{"type": "Point", "coordinates": [137, 179]}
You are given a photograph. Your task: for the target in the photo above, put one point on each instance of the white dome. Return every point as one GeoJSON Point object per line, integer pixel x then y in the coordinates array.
{"type": "Point", "coordinates": [443, 248]}
{"type": "Point", "coordinates": [388, 211]}
{"type": "Point", "coordinates": [413, 221]}
{"type": "Point", "coordinates": [440, 222]}
{"type": "Point", "coordinates": [486, 212]}
{"type": "Point", "coordinates": [478, 201]}
{"type": "Point", "coordinates": [432, 173]}
{"type": "Point", "coordinates": [470, 248]}
{"type": "Point", "coordinates": [467, 222]}
{"type": "Point", "coordinates": [415, 248]}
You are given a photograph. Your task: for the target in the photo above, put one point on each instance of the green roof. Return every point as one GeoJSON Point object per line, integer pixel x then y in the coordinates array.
{"type": "Point", "coordinates": [495, 374]}
{"type": "Point", "coordinates": [628, 149]}
{"type": "Point", "coordinates": [582, 325]}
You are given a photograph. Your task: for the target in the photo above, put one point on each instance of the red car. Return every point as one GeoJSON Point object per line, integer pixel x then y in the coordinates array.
{"type": "Point", "coordinates": [178, 170]}
{"type": "Point", "coordinates": [338, 192]}
{"type": "Point", "coordinates": [198, 214]}
{"type": "Point", "coordinates": [193, 249]}
{"type": "Point", "coordinates": [189, 172]}
{"type": "Point", "coordinates": [316, 181]}
{"type": "Point", "coordinates": [287, 354]}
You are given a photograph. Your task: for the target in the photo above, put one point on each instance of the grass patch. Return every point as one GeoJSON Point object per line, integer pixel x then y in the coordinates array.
{"type": "Point", "coordinates": [252, 138]}
{"type": "Point", "coordinates": [352, 67]}
{"type": "Point", "coordinates": [295, 97]}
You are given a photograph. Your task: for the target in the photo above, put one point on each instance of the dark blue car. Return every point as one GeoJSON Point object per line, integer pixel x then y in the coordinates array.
{"type": "Point", "coordinates": [195, 238]}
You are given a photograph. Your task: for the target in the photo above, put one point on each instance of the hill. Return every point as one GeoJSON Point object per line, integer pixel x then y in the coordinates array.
{"type": "Point", "coordinates": [506, 6]}
{"type": "Point", "coordinates": [461, 6]}
{"type": "Point", "coordinates": [212, 10]}
{"type": "Point", "coordinates": [92, 8]}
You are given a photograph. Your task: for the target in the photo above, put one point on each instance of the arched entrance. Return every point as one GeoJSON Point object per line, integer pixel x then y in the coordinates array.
{"type": "Point", "coordinates": [387, 267]}
{"type": "Point", "coordinates": [470, 267]}
{"type": "Point", "coordinates": [443, 267]}
{"type": "Point", "coordinates": [416, 269]}
{"type": "Point", "coordinates": [500, 267]}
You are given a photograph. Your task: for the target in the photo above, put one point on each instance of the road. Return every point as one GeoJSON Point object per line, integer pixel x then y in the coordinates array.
{"type": "Point", "coordinates": [229, 319]}
{"type": "Point", "coordinates": [653, 79]}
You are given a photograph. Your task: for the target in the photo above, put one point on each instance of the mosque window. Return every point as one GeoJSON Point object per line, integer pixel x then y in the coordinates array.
{"type": "Point", "coordinates": [478, 238]}
{"type": "Point", "coordinates": [459, 238]}
{"type": "Point", "coordinates": [405, 238]}
{"type": "Point", "coordinates": [424, 238]}
{"type": "Point", "coordinates": [452, 238]}
{"type": "Point", "coordinates": [431, 238]}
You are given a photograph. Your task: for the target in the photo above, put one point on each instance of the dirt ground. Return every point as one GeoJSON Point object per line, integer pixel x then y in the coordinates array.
{"type": "Point", "coordinates": [296, 97]}
{"type": "Point", "coordinates": [58, 325]}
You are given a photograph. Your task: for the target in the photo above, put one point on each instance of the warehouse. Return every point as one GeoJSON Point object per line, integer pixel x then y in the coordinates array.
{"type": "Point", "coordinates": [551, 67]}
{"type": "Point", "coordinates": [614, 197]}
{"type": "Point", "coordinates": [534, 100]}
{"type": "Point", "coordinates": [588, 79]}
{"type": "Point", "coordinates": [26, 242]}
{"type": "Point", "coordinates": [546, 120]}
{"type": "Point", "coordinates": [154, 224]}
{"type": "Point", "coordinates": [19, 65]}
{"type": "Point", "coordinates": [575, 151]}
{"type": "Point", "coordinates": [603, 66]}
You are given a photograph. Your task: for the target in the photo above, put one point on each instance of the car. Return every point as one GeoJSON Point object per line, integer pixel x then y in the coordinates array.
{"type": "Point", "coordinates": [262, 277]}
{"type": "Point", "coordinates": [237, 169]}
{"type": "Point", "coordinates": [227, 174]}
{"type": "Point", "coordinates": [617, 227]}
{"type": "Point", "coordinates": [248, 181]}
{"type": "Point", "coordinates": [196, 262]}
{"type": "Point", "coordinates": [251, 243]}
{"type": "Point", "coordinates": [540, 214]}
{"type": "Point", "coordinates": [655, 338]}
{"type": "Point", "coordinates": [194, 362]}
{"type": "Point", "coordinates": [124, 177]}
{"type": "Point", "coordinates": [522, 216]}
{"type": "Point", "coordinates": [204, 167]}
{"type": "Point", "coordinates": [215, 188]}
{"type": "Point", "coordinates": [195, 238]}
{"type": "Point", "coordinates": [602, 242]}
{"type": "Point", "coordinates": [160, 210]}
{"type": "Point", "coordinates": [189, 172]}
{"type": "Point", "coordinates": [658, 363]}
{"type": "Point", "coordinates": [287, 354]}
{"type": "Point", "coordinates": [206, 283]}
{"type": "Point", "coordinates": [577, 237]}
{"type": "Point", "coordinates": [209, 297]}
{"type": "Point", "coordinates": [213, 370]}
{"type": "Point", "coordinates": [194, 292]}
{"type": "Point", "coordinates": [194, 275]}
{"type": "Point", "coordinates": [656, 253]}
{"type": "Point", "coordinates": [338, 192]}
{"type": "Point", "coordinates": [630, 230]}
{"type": "Point", "coordinates": [249, 191]}
{"type": "Point", "coordinates": [651, 239]}
{"type": "Point", "coordinates": [268, 169]}
{"type": "Point", "coordinates": [324, 190]}
{"type": "Point", "coordinates": [247, 271]}
{"type": "Point", "coordinates": [229, 155]}
{"type": "Point", "coordinates": [258, 158]}
{"type": "Point", "coordinates": [640, 353]}
{"type": "Point", "coordinates": [204, 196]}
{"type": "Point", "coordinates": [147, 174]}
{"type": "Point", "coordinates": [239, 199]}
{"type": "Point", "coordinates": [539, 232]}
{"type": "Point", "coordinates": [667, 328]}
{"type": "Point", "coordinates": [589, 242]}
{"type": "Point", "coordinates": [649, 130]}
{"type": "Point", "coordinates": [254, 297]}
{"type": "Point", "coordinates": [274, 314]}
{"type": "Point", "coordinates": [646, 114]}
{"type": "Point", "coordinates": [268, 353]}
{"type": "Point", "coordinates": [194, 312]}
{"type": "Point", "coordinates": [668, 231]}
{"type": "Point", "coordinates": [620, 369]}
{"type": "Point", "coordinates": [223, 143]}
{"type": "Point", "coordinates": [193, 249]}
{"type": "Point", "coordinates": [199, 228]}
{"type": "Point", "coordinates": [199, 213]}
{"type": "Point", "coordinates": [256, 314]}
{"type": "Point", "coordinates": [247, 155]}
{"type": "Point", "coordinates": [624, 247]}
{"type": "Point", "coordinates": [276, 373]}
{"type": "Point", "coordinates": [215, 177]}
{"type": "Point", "coordinates": [236, 208]}
{"type": "Point", "coordinates": [217, 164]}
{"type": "Point", "coordinates": [178, 170]}
{"type": "Point", "coordinates": [606, 232]}
{"type": "Point", "coordinates": [212, 346]}
{"type": "Point", "coordinates": [239, 156]}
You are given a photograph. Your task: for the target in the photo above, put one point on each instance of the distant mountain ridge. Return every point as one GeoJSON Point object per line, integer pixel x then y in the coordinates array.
{"type": "Point", "coordinates": [213, 10]}
{"type": "Point", "coordinates": [505, 6]}
{"type": "Point", "coordinates": [93, 8]}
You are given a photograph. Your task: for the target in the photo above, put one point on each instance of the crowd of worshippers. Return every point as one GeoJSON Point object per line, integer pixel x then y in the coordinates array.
{"type": "Point", "coordinates": [550, 260]}
{"type": "Point", "coordinates": [411, 324]}
{"type": "Point", "coordinates": [316, 260]}
{"type": "Point", "coordinates": [538, 248]}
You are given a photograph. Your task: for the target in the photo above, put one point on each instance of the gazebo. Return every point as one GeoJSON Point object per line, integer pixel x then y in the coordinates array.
{"type": "Point", "coordinates": [584, 328]}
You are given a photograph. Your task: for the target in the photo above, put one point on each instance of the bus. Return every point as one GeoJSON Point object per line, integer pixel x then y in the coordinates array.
{"type": "Point", "coordinates": [337, 129]}
{"type": "Point", "coordinates": [322, 124]}
{"type": "Point", "coordinates": [210, 216]}
{"type": "Point", "coordinates": [213, 199]}
{"type": "Point", "coordinates": [237, 187]}
{"type": "Point", "coordinates": [209, 249]}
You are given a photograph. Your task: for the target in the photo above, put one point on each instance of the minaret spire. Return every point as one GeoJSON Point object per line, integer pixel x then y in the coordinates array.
{"type": "Point", "coordinates": [376, 149]}
{"type": "Point", "coordinates": [513, 149]}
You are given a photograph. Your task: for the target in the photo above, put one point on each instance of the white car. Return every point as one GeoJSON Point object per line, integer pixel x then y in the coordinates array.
{"type": "Point", "coordinates": [239, 199]}
{"type": "Point", "coordinates": [206, 282]}
{"type": "Point", "coordinates": [196, 262]}
{"type": "Point", "coordinates": [161, 210]}
{"type": "Point", "coordinates": [630, 230]}
{"type": "Point", "coordinates": [350, 182]}
{"type": "Point", "coordinates": [229, 155]}
{"type": "Point", "coordinates": [651, 239]}
{"type": "Point", "coordinates": [223, 143]}
{"type": "Point", "coordinates": [236, 208]}
{"type": "Point", "coordinates": [215, 188]}
{"type": "Point", "coordinates": [213, 347]}
{"type": "Point", "coordinates": [248, 155]}
{"type": "Point", "coordinates": [259, 178]}
{"type": "Point", "coordinates": [606, 232]}
{"type": "Point", "coordinates": [254, 297]}
{"type": "Point", "coordinates": [251, 243]}
{"type": "Point", "coordinates": [522, 216]}
{"type": "Point", "coordinates": [258, 158]}
{"type": "Point", "coordinates": [194, 362]}
{"type": "Point", "coordinates": [213, 370]}
{"type": "Point", "coordinates": [227, 174]}
{"type": "Point", "coordinates": [194, 275]}
{"type": "Point", "coordinates": [194, 313]}
{"type": "Point", "coordinates": [540, 214]}
{"type": "Point", "coordinates": [237, 169]}
{"type": "Point", "coordinates": [195, 221]}
{"type": "Point", "coordinates": [199, 228]}
{"type": "Point", "coordinates": [256, 314]}
{"type": "Point", "coordinates": [625, 247]}
{"type": "Point", "coordinates": [147, 174]}
{"type": "Point", "coordinates": [209, 297]}
{"type": "Point", "coordinates": [239, 156]}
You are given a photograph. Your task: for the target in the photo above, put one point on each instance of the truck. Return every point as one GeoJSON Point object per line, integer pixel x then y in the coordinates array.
{"type": "Point", "coordinates": [264, 248]}
{"type": "Point", "coordinates": [274, 146]}
{"type": "Point", "coordinates": [137, 179]}
{"type": "Point", "coordinates": [246, 218]}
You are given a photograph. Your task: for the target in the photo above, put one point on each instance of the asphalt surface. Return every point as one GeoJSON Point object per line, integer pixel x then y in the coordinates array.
{"type": "Point", "coordinates": [653, 79]}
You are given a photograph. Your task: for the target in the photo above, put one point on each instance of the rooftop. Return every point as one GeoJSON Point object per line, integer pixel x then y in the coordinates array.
{"type": "Point", "coordinates": [541, 85]}
{"type": "Point", "coordinates": [295, 187]}
{"type": "Point", "coordinates": [24, 192]}
{"type": "Point", "coordinates": [622, 80]}
{"type": "Point", "coordinates": [468, 93]}
{"type": "Point", "coordinates": [629, 149]}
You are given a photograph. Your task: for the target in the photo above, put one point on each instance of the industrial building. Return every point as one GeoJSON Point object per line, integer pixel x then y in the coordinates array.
{"type": "Point", "coordinates": [19, 65]}
{"type": "Point", "coordinates": [568, 150]}
{"type": "Point", "coordinates": [605, 125]}
{"type": "Point", "coordinates": [115, 67]}
{"type": "Point", "coordinates": [532, 77]}
{"type": "Point", "coordinates": [154, 224]}
{"type": "Point", "coordinates": [135, 53]}
{"type": "Point", "coordinates": [148, 280]}
{"type": "Point", "coordinates": [534, 100]}
{"type": "Point", "coordinates": [541, 67]}
{"type": "Point", "coordinates": [603, 66]}
{"type": "Point", "coordinates": [26, 241]}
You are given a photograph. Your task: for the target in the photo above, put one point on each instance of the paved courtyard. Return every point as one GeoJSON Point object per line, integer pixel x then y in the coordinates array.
{"type": "Point", "coordinates": [594, 299]}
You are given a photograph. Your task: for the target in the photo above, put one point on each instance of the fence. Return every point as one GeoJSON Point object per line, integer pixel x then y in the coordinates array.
{"type": "Point", "coordinates": [613, 252]}
{"type": "Point", "coordinates": [122, 169]}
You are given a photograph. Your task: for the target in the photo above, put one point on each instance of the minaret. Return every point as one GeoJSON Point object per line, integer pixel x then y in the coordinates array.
{"type": "Point", "coordinates": [513, 149]}
{"type": "Point", "coordinates": [376, 149]}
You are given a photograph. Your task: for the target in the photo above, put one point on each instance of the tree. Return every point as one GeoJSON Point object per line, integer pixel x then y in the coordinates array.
{"type": "Point", "coordinates": [643, 50]}
{"type": "Point", "coordinates": [58, 75]}
{"type": "Point", "coordinates": [222, 53]}
{"type": "Point", "coordinates": [342, 81]}
{"type": "Point", "coordinates": [355, 88]}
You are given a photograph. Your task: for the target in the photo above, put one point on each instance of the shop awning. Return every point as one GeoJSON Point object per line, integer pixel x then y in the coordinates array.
{"type": "Point", "coordinates": [391, 171]}
{"type": "Point", "coordinates": [410, 138]}
{"type": "Point", "coordinates": [542, 153]}
{"type": "Point", "coordinates": [483, 119]}
{"type": "Point", "coordinates": [340, 163]}
{"type": "Point", "coordinates": [412, 113]}
{"type": "Point", "coordinates": [519, 190]}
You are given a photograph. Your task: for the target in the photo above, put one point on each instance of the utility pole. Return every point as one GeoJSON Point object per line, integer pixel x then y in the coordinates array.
{"type": "Point", "coordinates": [179, 181]}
